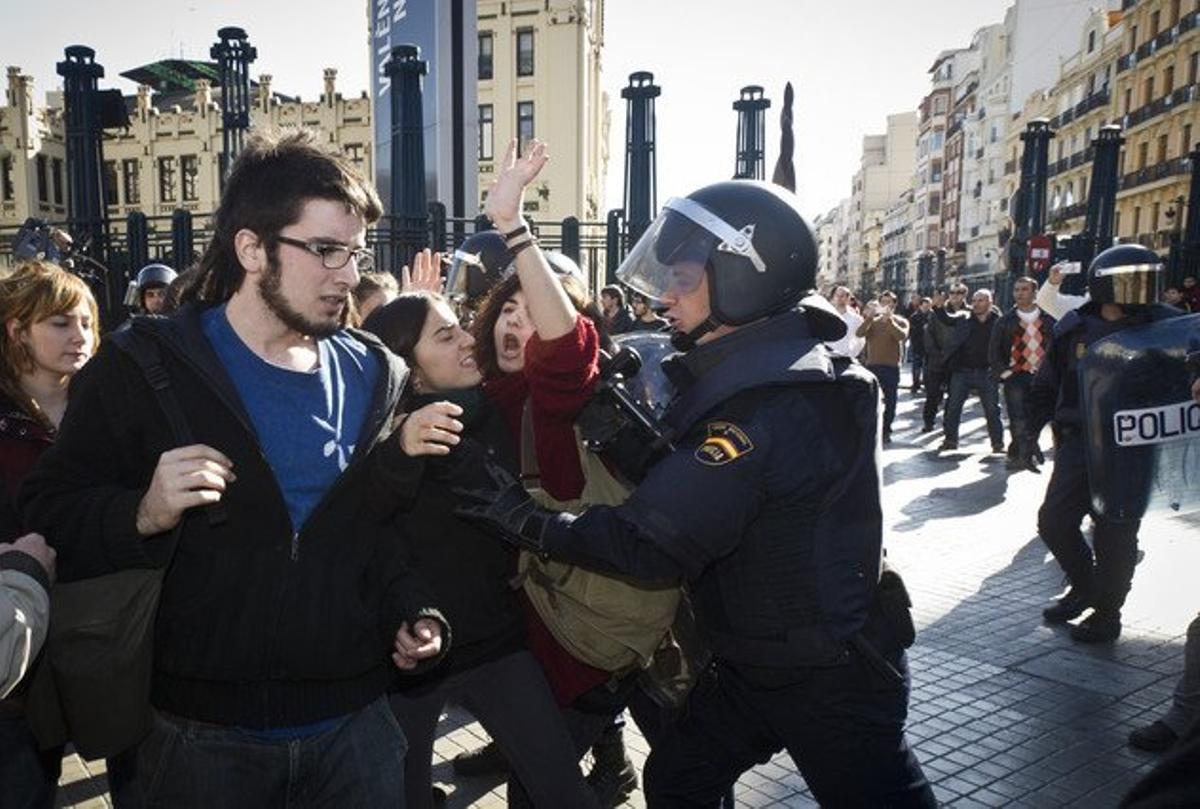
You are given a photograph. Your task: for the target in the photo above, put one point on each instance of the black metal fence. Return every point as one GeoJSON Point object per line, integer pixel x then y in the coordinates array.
{"type": "Point", "coordinates": [124, 246]}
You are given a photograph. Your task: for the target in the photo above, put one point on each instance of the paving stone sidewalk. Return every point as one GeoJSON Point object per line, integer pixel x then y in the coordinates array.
{"type": "Point", "coordinates": [1005, 711]}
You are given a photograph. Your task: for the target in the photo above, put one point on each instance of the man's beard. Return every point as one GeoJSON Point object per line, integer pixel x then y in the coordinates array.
{"type": "Point", "coordinates": [270, 289]}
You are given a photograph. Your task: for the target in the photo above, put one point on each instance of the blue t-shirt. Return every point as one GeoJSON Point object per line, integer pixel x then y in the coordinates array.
{"type": "Point", "coordinates": [307, 423]}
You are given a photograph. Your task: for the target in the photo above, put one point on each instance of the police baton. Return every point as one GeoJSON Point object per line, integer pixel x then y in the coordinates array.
{"type": "Point", "coordinates": [875, 659]}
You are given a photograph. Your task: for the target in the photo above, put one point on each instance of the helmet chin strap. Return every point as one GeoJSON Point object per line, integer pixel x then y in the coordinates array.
{"type": "Point", "coordinates": [686, 341]}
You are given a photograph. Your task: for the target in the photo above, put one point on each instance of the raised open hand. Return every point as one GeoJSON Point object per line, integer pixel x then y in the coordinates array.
{"type": "Point", "coordinates": [425, 275]}
{"type": "Point", "coordinates": [503, 205]}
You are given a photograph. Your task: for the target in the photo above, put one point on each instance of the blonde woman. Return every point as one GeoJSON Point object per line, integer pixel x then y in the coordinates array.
{"type": "Point", "coordinates": [50, 330]}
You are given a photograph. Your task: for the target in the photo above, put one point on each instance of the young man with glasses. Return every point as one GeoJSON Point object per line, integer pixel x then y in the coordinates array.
{"type": "Point", "coordinates": [286, 608]}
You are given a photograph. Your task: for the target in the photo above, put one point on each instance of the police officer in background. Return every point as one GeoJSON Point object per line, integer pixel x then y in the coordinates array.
{"type": "Point", "coordinates": [1123, 288]}
{"type": "Point", "coordinates": [767, 505]}
{"type": "Point", "coordinates": [149, 293]}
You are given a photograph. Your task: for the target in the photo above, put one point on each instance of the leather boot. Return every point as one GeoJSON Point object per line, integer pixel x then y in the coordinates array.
{"type": "Point", "coordinates": [1069, 607]}
{"type": "Point", "coordinates": [613, 776]}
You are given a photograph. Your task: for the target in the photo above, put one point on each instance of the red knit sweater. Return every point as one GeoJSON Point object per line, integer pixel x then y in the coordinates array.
{"type": "Point", "coordinates": [559, 378]}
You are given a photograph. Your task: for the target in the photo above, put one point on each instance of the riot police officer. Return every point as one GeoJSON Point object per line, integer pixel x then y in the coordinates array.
{"type": "Point", "coordinates": [767, 506]}
{"type": "Point", "coordinates": [479, 263]}
{"type": "Point", "coordinates": [148, 294]}
{"type": "Point", "coordinates": [1123, 287]}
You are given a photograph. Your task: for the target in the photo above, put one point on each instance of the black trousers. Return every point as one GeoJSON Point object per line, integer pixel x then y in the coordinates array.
{"type": "Point", "coordinates": [935, 389]}
{"type": "Point", "coordinates": [1107, 572]}
{"type": "Point", "coordinates": [511, 699]}
{"type": "Point", "coordinates": [843, 727]}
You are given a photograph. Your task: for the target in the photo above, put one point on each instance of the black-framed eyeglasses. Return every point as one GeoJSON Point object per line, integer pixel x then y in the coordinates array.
{"type": "Point", "coordinates": [334, 256]}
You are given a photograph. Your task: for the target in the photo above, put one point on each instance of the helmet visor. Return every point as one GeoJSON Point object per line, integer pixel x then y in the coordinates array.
{"type": "Point", "coordinates": [1134, 284]}
{"type": "Point", "coordinates": [671, 257]}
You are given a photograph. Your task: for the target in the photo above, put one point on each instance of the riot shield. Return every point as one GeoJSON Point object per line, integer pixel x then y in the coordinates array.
{"type": "Point", "coordinates": [1140, 422]}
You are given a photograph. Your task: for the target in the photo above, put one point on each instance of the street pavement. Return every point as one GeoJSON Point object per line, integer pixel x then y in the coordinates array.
{"type": "Point", "coordinates": [1005, 711]}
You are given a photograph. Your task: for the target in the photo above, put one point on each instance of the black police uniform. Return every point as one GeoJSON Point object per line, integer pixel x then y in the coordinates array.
{"type": "Point", "coordinates": [769, 508]}
{"type": "Point", "coordinates": [1101, 575]}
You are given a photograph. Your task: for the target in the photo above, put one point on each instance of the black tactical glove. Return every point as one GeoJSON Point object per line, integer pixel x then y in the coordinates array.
{"type": "Point", "coordinates": [505, 509]}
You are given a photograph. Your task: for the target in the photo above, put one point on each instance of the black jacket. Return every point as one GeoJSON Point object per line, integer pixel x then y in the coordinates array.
{"type": "Point", "coordinates": [945, 332]}
{"type": "Point", "coordinates": [468, 572]}
{"type": "Point", "coordinates": [781, 557]}
{"type": "Point", "coordinates": [1006, 331]}
{"type": "Point", "coordinates": [257, 626]}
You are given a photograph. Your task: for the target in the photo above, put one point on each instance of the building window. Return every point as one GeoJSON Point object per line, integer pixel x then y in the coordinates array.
{"type": "Point", "coordinates": [166, 179]}
{"type": "Point", "coordinates": [130, 184]}
{"type": "Point", "coordinates": [525, 52]}
{"type": "Point", "coordinates": [6, 179]}
{"type": "Point", "coordinates": [939, 105]}
{"type": "Point", "coordinates": [524, 123]}
{"type": "Point", "coordinates": [191, 173]}
{"type": "Point", "coordinates": [1128, 100]}
{"type": "Point", "coordinates": [1143, 154]}
{"type": "Point", "coordinates": [1148, 90]}
{"type": "Point", "coordinates": [43, 188]}
{"type": "Point", "coordinates": [56, 179]}
{"type": "Point", "coordinates": [1168, 80]}
{"type": "Point", "coordinates": [1162, 149]}
{"type": "Point", "coordinates": [110, 183]}
{"type": "Point", "coordinates": [354, 151]}
{"type": "Point", "coordinates": [485, 54]}
{"type": "Point", "coordinates": [1091, 41]}
{"type": "Point", "coordinates": [1185, 140]}
{"type": "Point", "coordinates": [486, 123]}
{"type": "Point", "coordinates": [1193, 67]}
{"type": "Point", "coordinates": [1137, 221]}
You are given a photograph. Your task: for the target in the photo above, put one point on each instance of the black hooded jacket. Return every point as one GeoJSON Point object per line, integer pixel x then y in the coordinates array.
{"type": "Point", "coordinates": [257, 626]}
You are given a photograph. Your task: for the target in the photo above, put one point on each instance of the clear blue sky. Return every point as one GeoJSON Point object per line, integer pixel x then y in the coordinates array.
{"type": "Point", "coordinates": [852, 63]}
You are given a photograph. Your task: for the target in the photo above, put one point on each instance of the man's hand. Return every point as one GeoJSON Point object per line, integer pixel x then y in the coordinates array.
{"type": "Point", "coordinates": [431, 430]}
{"type": "Point", "coordinates": [34, 545]}
{"type": "Point", "coordinates": [505, 509]}
{"type": "Point", "coordinates": [425, 275]}
{"type": "Point", "coordinates": [186, 477]}
{"type": "Point", "coordinates": [1055, 277]}
{"type": "Point", "coordinates": [423, 642]}
{"type": "Point", "coordinates": [503, 205]}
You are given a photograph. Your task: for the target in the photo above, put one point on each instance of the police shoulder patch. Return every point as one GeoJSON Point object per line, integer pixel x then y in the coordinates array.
{"type": "Point", "coordinates": [725, 442]}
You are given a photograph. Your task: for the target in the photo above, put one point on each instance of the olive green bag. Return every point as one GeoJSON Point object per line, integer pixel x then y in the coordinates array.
{"type": "Point", "coordinates": [606, 621]}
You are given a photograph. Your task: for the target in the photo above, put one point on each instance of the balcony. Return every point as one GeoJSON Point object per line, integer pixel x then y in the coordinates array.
{"type": "Point", "coordinates": [1060, 215]}
{"type": "Point", "coordinates": [1127, 61]}
{"type": "Point", "coordinates": [1092, 102]}
{"type": "Point", "coordinates": [1159, 171]}
{"type": "Point", "coordinates": [1158, 106]}
{"type": "Point", "coordinates": [1187, 22]}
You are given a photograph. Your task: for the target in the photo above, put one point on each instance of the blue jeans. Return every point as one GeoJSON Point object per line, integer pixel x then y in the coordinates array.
{"type": "Point", "coordinates": [962, 382]}
{"type": "Point", "coordinates": [918, 364]}
{"type": "Point", "coordinates": [889, 381]}
{"type": "Point", "coordinates": [183, 764]}
{"type": "Point", "coordinates": [1016, 401]}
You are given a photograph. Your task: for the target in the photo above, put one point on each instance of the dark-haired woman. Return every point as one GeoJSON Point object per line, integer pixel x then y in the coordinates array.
{"type": "Point", "coordinates": [537, 346]}
{"type": "Point", "coordinates": [488, 668]}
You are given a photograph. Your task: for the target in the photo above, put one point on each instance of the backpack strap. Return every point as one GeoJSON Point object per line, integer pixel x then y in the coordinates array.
{"type": "Point", "coordinates": [144, 349]}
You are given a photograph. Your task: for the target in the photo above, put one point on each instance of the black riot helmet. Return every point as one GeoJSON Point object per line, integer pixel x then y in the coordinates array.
{"type": "Point", "coordinates": [478, 264]}
{"type": "Point", "coordinates": [747, 237]}
{"type": "Point", "coordinates": [1127, 274]}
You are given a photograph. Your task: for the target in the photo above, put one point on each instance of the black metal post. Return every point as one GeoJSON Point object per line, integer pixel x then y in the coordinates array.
{"type": "Point", "coordinates": [85, 157]}
{"type": "Point", "coordinates": [641, 183]}
{"type": "Point", "coordinates": [137, 241]}
{"type": "Point", "coordinates": [1187, 255]}
{"type": "Point", "coordinates": [614, 250]}
{"type": "Point", "coordinates": [183, 249]}
{"type": "Point", "coordinates": [750, 162]}
{"type": "Point", "coordinates": [1030, 210]}
{"type": "Point", "coordinates": [570, 238]}
{"type": "Point", "coordinates": [407, 201]}
{"type": "Point", "coordinates": [437, 226]}
{"type": "Point", "coordinates": [233, 53]}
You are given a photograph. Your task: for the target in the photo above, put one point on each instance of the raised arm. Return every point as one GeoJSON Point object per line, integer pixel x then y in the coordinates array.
{"type": "Point", "coordinates": [549, 307]}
